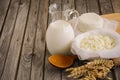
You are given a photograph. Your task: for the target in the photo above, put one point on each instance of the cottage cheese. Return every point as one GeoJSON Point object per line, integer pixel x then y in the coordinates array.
{"type": "Point", "coordinates": [97, 42]}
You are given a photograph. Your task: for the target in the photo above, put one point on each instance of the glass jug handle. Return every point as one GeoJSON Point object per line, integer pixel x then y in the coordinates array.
{"type": "Point", "coordinates": [72, 17]}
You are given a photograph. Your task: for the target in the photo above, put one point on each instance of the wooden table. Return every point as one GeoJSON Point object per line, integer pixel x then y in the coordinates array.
{"type": "Point", "coordinates": [23, 24]}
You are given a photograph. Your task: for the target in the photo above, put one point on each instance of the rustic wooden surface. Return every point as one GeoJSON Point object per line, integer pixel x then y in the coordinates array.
{"type": "Point", "coordinates": [23, 25]}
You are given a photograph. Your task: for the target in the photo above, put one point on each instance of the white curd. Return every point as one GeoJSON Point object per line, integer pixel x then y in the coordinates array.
{"type": "Point", "coordinates": [89, 21]}
{"type": "Point", "coordinates": [97, 42]}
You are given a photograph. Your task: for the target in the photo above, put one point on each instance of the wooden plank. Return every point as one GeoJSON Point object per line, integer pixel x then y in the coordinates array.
{"type": "Point", "coordinates": [92, 6]}
{"type": "Point", "coordinates": [116, 7]}
{"type": "Point", "coordinates": [68, 3]}
{"type": "Point", "coordinates": [51, 72]}
{"type": "Point", "coordinates": [117, 73]}
{"type": "Point", "coordinates": [7, 32]}
{"type": "Point", "coordinates": [57, 15]}
{"type": "Point", "coordinates": [4, 6]}
{"type": "Point", "coordinates": [24, 70]}
{"type": "Point", "coordinates": [38, 60]}
{"type": "Point", "coordinates": [105, 6]}
{"type": "Point", "coordinates": [72, 3]}
{"type": "Point", "coordinates": [80, 6]}
{"type": "Point", "coordinates": [16, 42]}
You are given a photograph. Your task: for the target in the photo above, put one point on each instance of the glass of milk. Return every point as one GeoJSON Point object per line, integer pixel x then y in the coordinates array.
{"type": "Point", "coordinates": [60, 33]}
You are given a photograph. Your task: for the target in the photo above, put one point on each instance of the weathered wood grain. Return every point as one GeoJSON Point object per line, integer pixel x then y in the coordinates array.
{"type": "Point", "coordinates": [7, 32]}
{"type": "Point", "coordinates": [38, 60]}
{"type": "Point", "coordinates": [24, 70]}
{"type": "Point", "coordinates": [116, 7]}
{"type": "Point", "coordinates": [80, 6]}
{"type": "Point", "coordinates": [4, 6]}
{"type": "Point", "coordinates": [16, 42]}
{"type": "Point", "coordinates": [92, 6]}
{"type": "Point", "coordinates": [105, 6]}
{"type": "Point", "coordinates": [117, 73]}
{"type": "Point", "coordinates": [70, 4]}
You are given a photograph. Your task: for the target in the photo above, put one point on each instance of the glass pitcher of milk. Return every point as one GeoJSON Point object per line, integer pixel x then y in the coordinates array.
{"type": "Point", "coordinates": [60, 32]}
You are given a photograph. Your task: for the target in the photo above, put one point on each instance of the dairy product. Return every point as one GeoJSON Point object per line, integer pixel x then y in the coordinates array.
{"type": "Point", "coordinates": [59, 37]}
{"type": "Point", "coordinates": [89, 21]}
{"type": "Point", "coordinates": [97, 42]}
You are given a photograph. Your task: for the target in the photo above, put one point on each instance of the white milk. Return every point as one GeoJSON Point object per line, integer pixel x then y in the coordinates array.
{"type": "Point", "coordinates": [59, 37]}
